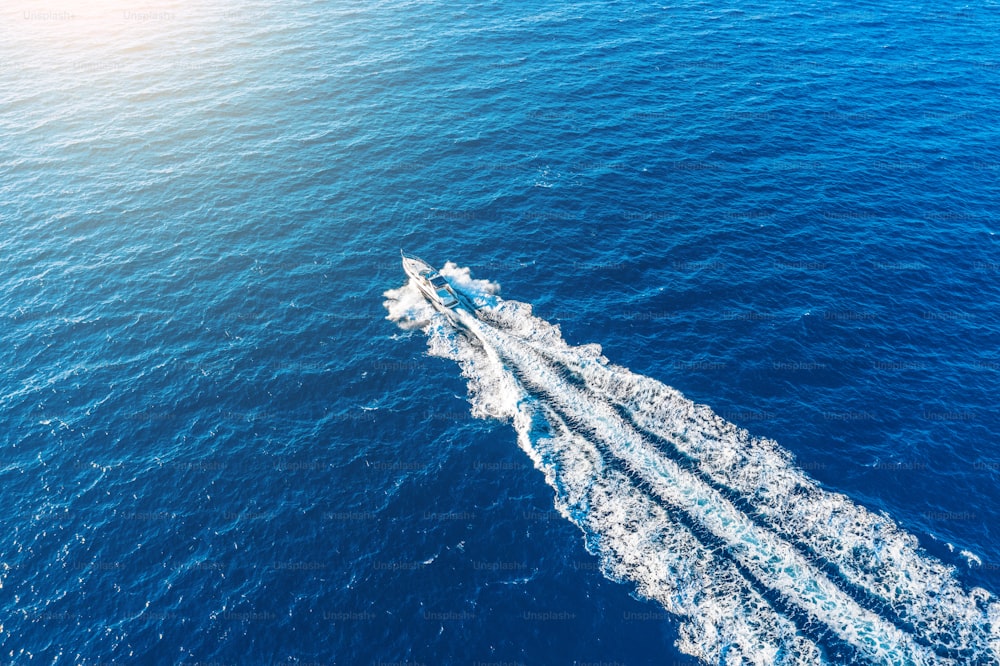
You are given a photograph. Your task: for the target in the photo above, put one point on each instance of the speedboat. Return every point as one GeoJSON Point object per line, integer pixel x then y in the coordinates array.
{"type": "Point", "coordinates": [430, 282]}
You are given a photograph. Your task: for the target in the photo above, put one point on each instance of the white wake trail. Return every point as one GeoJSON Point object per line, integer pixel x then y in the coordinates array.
{"type": "Point", "coordinates": [870, 551]}
{"type": "Point", "coordinates": [587, 424]}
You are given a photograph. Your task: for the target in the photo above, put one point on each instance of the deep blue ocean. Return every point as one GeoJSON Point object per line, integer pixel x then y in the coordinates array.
{"type": "Point", "coordinates": [219, 449]}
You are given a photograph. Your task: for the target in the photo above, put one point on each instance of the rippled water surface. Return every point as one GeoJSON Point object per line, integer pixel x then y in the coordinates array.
{"type": "Point", "coordinates": [234, 434]}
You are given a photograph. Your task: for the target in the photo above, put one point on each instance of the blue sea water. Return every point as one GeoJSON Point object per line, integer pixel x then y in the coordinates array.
{"type": "Point", "coordinates": [218, 449]}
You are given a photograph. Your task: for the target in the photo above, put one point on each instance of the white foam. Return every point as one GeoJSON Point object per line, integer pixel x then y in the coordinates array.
{"type": "Point", "coordinates": [408, 308]}
{"type": "Point", "coordinates": [869, 550]}
{"type": "Point", "coordinates": [971, 558]}
{"type": "Point", "coordinates": [481, 292]}
{"type": "Point", "coordinates": [632, 530]}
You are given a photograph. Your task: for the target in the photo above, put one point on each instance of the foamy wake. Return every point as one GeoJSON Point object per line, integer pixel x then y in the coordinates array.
{"type": "Point", "coordinates": [761, 564]}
